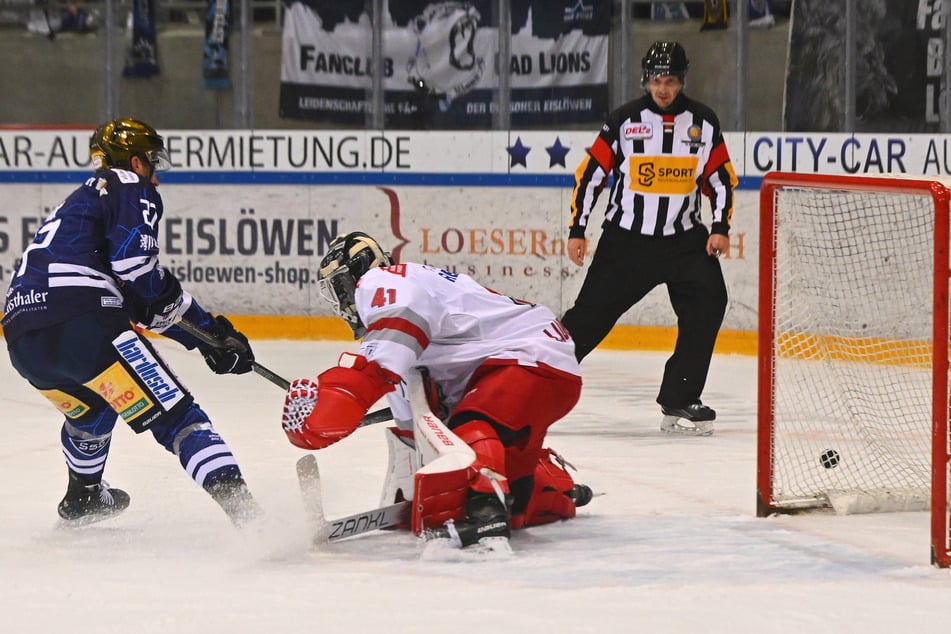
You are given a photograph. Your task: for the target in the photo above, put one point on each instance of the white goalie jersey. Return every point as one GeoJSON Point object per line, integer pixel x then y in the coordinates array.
{"type": "Point", "coordinates": [420, 316]}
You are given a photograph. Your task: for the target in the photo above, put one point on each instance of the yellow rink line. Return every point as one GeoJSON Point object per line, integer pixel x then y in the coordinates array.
{"type": "Point", "coordinates": [621, 337]}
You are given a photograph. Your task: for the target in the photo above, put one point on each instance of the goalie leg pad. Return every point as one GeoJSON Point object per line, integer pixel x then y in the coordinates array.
{"type": "Point", "coordinates": [549, 500]}
{"type": "Point", "coordinates": [484, 441]}
{"type": "Point", "coordinates": [398, 484]}
{"type": "Point", "coordinates": [439, 497]}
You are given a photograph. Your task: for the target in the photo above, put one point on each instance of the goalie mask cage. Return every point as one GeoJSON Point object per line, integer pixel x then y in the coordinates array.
{"type": "Point", "coordinates": [853, 347]}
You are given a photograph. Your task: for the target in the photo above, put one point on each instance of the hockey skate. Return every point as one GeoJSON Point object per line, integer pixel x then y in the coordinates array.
{"type": "Point", "coordinates": [92, 503]}
{"type": "Point", "coordinates": [236, 500]}
{"type": "Point", "coordinates": [580, 494]}
{"type": "Point", "coordinates": [483, 529]}
{"type": "Point", "coordinates": [698, 414]}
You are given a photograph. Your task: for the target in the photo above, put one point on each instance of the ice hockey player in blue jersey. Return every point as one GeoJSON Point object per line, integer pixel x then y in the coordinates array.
{"type": "Point", "coordinates": [91, 269]}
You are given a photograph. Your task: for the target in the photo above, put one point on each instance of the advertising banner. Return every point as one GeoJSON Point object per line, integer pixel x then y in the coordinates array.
{"type": "Point", "coordinates": [250, 214]}
{"type": "Point", "coordinates": [899, 66]}
{"type": "Point", "coordinates": [440, 62]}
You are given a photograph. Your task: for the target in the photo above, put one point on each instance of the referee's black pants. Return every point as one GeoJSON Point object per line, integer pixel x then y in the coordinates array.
{"type": "Point", "coordinates": [625, 267]}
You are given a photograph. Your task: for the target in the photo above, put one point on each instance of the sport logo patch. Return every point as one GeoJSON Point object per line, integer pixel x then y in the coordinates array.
{"type": "Point", "coordinates": [143, 363]}
{"type": "Point", "coordinates": [664, 175]}
{"type": "Point", "coordinates": [638, 130]}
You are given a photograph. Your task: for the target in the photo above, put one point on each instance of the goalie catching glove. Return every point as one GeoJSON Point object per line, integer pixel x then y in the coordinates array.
{"type": "Point", "coordinates": [319, 414]}
{"type": "Point", "coordinates": [233, 355]}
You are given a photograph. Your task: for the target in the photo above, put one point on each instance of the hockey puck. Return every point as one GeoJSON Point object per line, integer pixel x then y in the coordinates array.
{"type": "Point", "coordinates": [829, 459]}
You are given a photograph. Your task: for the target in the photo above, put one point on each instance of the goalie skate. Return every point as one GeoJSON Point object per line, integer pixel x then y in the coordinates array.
{"type": "Point", "coordinates": [486, 549]}
{"type": "Point", "coordinates": [695, 419]}
{"type": "Point", "coordinates": [483, 532]}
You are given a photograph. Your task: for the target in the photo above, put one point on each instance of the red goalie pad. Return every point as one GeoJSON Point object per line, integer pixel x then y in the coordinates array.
{"type": "Point", "coordinates": [549, 501]}
{"type": "Point", "coordinates": [438, 497]}
{"type": "Point", "coordinates": [318, 416]}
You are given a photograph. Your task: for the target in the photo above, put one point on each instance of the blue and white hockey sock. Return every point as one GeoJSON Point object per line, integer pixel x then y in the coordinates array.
{"type": "Point", "coordinates": [85, 453]}
{"type": "Point", "coordinates": [205, 456]}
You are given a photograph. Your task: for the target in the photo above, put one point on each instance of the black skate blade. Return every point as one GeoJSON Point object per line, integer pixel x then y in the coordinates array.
{"type": "Point", "coordinates": [86, 520]}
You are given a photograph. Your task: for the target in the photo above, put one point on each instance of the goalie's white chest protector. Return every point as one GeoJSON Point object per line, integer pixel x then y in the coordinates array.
{"type": "Point", "coordinates": [420, 316]}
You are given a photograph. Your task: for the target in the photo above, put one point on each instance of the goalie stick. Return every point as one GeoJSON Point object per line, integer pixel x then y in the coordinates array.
{"type": "Point", "coordinates": [325, 530]}
{"type": "Point", "coordinates": [372, 418]}
{"type": "Point", "coordinates": [438, 450]}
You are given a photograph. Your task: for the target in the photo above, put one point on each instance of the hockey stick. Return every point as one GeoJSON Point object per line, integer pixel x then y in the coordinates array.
{"type": "Point", "coordinates": [379, 416]}
{"type": "Point", "coordinates": [308, 476]}
{"type": "Point", "coordinates": [206, 337]}
{"type": "Point", "coordinates": [439, 450]}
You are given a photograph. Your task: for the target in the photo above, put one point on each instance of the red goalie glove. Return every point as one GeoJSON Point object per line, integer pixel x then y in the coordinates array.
{"type": "Point", "coordinates": [319, 414]}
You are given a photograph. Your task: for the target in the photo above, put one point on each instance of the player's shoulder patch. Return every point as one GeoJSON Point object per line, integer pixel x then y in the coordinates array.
{"type": "Point", "coordinates": [125, 176]}
{"type": "Point", "coordinates": [395, 269]}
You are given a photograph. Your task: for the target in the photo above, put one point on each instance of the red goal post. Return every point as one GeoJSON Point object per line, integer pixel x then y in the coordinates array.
{"type": "Point", "coordinates": [853, 402]}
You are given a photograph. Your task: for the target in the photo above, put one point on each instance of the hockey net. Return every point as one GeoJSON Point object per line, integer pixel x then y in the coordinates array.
{"type": "Point", "coordinates": [853, 347]}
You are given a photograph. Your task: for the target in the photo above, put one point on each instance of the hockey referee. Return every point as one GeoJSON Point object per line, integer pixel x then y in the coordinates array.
{"type": "Point", "coordinates": [663, 150]}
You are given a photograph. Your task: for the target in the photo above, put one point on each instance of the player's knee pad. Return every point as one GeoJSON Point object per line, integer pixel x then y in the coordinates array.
{"type": "Point", "coordinates": [483, 439]}
{"type": "Point", "coordinates": [202, 452]}
{"type": "Point", "coordinates": [167, 431]}
{"type": "Point", "coordinates": [548, 500]}
{"type": "Point", "coordinates": [94, 421]}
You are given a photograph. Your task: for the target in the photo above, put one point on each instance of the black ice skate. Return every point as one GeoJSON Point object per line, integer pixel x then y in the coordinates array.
{"type": "Point", "coordinates": [484, 525]}
{"type": "Point", "coordinates": [92, 503]}
{"type": "Point", "coordinates": [236, 500]}
{"type": "Point", "coordinates": [697, 413]}
{"type": "Point", "coordinates": [580, 494]}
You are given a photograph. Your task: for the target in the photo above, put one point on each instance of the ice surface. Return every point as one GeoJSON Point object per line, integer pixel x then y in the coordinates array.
{"type": "Point", "coordinates": [672, 545]}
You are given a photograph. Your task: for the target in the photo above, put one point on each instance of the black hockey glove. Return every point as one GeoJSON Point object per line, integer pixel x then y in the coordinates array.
{"type": "Point", "coordinates": [234, 355]}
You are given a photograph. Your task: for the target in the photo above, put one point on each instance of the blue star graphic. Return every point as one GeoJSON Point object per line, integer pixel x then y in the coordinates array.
{"type": "Point", "coordinates": [557, 153]}
{"type": "Point", "coordinates": [519, 153]}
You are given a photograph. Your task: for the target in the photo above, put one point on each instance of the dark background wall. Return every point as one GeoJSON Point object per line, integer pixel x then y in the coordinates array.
{"type": "Point", "coordinates": [58, 82]}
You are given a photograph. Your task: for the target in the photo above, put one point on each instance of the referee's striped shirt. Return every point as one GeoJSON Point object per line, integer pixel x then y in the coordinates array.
{"type": "Point", "coordinates": [661, 162]}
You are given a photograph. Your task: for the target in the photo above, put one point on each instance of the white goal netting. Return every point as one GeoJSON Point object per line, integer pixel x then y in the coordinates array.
{"type": "Point", "coordinates": [852, 360]}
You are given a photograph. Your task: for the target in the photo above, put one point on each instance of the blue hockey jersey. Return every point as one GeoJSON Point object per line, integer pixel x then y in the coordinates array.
{"type": "Point", "coordinates": [97, 250]}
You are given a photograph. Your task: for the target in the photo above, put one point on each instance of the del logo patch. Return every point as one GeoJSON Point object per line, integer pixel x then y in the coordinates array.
{"type": "Point", "coordinates": [638, 130]}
